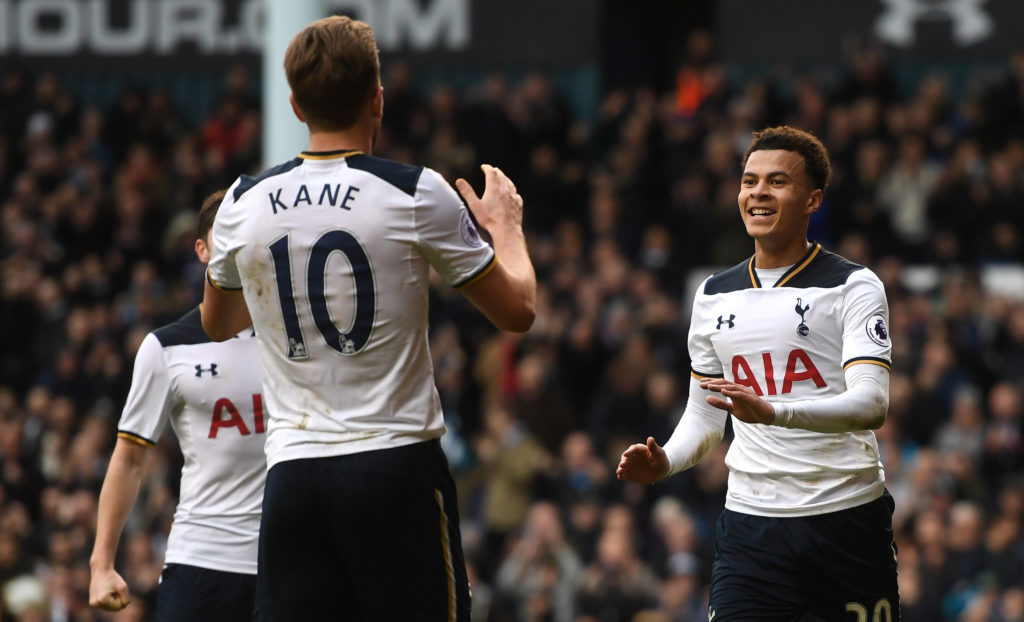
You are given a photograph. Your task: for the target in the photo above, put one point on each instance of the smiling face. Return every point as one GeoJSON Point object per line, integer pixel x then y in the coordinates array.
{"type": "Point", "coordinates": [776, 201]}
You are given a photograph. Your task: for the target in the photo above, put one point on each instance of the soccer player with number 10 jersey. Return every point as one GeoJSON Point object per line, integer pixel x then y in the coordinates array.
{"type": "Point", "coordinates": [330, 254]}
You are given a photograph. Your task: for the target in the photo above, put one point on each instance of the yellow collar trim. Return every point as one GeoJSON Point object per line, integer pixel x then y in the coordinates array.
{"type": "Point", "coordinates": [328, 155]}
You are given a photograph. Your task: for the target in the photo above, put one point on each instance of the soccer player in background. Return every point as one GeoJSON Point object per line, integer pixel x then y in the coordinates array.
{"type": "Point", "coordinates": [794, 343]}
{"type": "Point", "coordinates": [330, 255]}
{"type": "Point", "coordinates": [211, 394]}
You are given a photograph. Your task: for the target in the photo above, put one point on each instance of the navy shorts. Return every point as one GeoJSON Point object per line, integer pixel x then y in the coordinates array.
{"type": "Point", "coordinates": [204, 595]}
{"type": "Point", "coordinates": [368, 536]}
{"type": "Point", "coordinates": [839, 566]}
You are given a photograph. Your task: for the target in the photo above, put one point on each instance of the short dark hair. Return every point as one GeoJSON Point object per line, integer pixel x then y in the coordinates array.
{"type": "Point", "coordinates": [787, 138]}
{"type": "Point", "coordinates": [204, 221]}
{"type": "Point", "coordinates": [333, 69]}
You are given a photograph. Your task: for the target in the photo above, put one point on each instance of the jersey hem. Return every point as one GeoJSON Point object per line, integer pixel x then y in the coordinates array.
{"type": "Point", "coordinates": [211, 564]}
{"type": "Point", "coordinates": [865, 496]}
{"type": "Point", "coordinates": [331, 450]}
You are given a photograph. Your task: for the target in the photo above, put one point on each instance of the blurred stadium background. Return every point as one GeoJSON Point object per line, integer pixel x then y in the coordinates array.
{"type": "Point", "coordinates": [622, 124]}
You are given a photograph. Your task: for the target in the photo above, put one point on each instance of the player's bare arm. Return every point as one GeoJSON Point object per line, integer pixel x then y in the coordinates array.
{"type": "Point", "coordinates": [224, 313]}
{"type": "Point", "coordinates": [107, 589]}
{"type": "Point", "coordinates": [643, 463]}
{"type": "Point", "coordinates": [507, 295]}
{"type": "Point", "coordinates": [742, 402]}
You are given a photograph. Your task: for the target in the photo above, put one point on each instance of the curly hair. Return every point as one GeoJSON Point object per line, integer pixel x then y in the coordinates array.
{"type": "Point", "coordinates": [816, 161]}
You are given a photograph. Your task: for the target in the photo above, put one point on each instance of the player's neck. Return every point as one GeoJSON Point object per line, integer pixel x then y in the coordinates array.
{"type": "Point", "coordinates": [352, 139]}
{"type": "Point", "coordinates": [766, 256]}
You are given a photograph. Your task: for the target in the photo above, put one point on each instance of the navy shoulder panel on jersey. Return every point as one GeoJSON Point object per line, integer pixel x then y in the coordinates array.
{"type": "Point", "coordinates": [248, 181]}
{"type": "Point", "coordinates": [827, 270]}
{"type": "Point", "coordinates": [731, 280]}
{"type": "Point", "coordinates": [401, 176]}
{"type": "Point", "coordinates": [185, 331]}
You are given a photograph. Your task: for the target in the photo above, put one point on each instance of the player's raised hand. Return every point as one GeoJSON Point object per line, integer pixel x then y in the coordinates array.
{"type": "Point", "coordinates": [108, 591]}
{"type": "Point", "coordinates": [643, 464]}
{"type": "Point", "coordinates": [743, 403]}
{"type": "Point", "coordinates": [500, 204]}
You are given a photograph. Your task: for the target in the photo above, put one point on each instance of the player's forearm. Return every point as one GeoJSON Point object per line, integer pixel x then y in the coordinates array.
{"type": "Point", "coordinates": [118, 495]}
{"type": "Point", "coordinates": [510, 250]}
{"type": "Point", "coordinates": [699, 429]}
{"type": "Point", "coordinates": [223, 314]}
{"type": "Point", "coordinates": [862, 406]}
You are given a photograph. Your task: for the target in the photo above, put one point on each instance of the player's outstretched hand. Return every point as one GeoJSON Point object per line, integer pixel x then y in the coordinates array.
{"type": "Point", "coordinates": [500, 205]}
{"type": "Point", "coordinates": [743, 403]}
{"type": "Point", "coordinates": [108, 591]}
{"type": "Point", "coordinates": [643, 464]}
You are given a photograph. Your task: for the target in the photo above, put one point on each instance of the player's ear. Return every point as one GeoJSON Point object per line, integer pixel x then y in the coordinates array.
{"type": "Point", "coordinates": [814, 200]}
{"type": "Point", "coordinates": [378, 103]}
{"type": "Point", "coordinates": [295, 107]}
{"type": "Point", "coordinates": [202, 251]}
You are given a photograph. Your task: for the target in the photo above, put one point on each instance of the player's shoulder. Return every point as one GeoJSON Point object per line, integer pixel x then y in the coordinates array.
{"type": "Point", "coordinates": [185, 331]}
{"type": "Point", "coordinates": [733, 279]}
{"type": "Point", "coordinates": [405, 177]}
{"type": "Point", "coordinates": [823, 269]}
{"type": "Point", "coordinates": [246, 183]}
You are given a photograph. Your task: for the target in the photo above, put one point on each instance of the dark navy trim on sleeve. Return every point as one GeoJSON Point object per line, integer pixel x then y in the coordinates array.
{"type": "Point", "coordinates": [873, 360]}
{"type": "Point", "coordinates": [401, 176]}
{"type": "Point", "coordinates": [478, 274]}
{"type": "Point", "coordinates": [185, 331]}
{"type": "Point", "coordinates": [132, 436]}
{"type": "Point", "coordinates": [246, 182]}
{"type": "Point", "coordinates": [217, 286]}
{"type": "Point", "coordinates": [699, 375]}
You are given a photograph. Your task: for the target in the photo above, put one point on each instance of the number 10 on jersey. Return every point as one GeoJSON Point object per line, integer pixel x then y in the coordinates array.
{"type": "Point", "coordinates": [314, 304]}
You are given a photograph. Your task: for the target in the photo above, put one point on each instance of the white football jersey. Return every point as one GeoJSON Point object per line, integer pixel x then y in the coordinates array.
{"type": "Point", "coordinates": [210, 392]}
{"type": "Point", "coordinates": [793, 342]}
{"type": "Point", "coordinates": [332, 252]}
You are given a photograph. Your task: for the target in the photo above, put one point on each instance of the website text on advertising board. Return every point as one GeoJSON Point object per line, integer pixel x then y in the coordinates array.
{"type": "Point", "coordinates": [65, 27]}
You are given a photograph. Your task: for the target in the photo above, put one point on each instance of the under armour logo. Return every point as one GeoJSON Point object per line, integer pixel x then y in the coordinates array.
{"type": "Point", "coordinates": [729, 321]}
{"type": "Point", "coordinates": [971, 24]}
{"type": "Point", "coordinates": [802, 328]}
{"type": "Point", "coordinates": [212, 369]}
{"type": "Point", "coordinates": [711, 614]}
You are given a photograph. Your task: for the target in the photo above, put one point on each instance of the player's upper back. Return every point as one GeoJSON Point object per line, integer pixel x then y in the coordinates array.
{"type": "Point", "coordinates": [333, 252]}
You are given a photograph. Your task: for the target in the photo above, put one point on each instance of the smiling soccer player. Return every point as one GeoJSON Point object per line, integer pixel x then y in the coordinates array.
{"type": "Point", "coordinates": [793, 343]}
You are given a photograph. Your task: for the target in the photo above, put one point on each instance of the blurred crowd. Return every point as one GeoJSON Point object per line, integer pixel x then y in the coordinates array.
{"type": "Point", "coordinates": [624, 210]}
